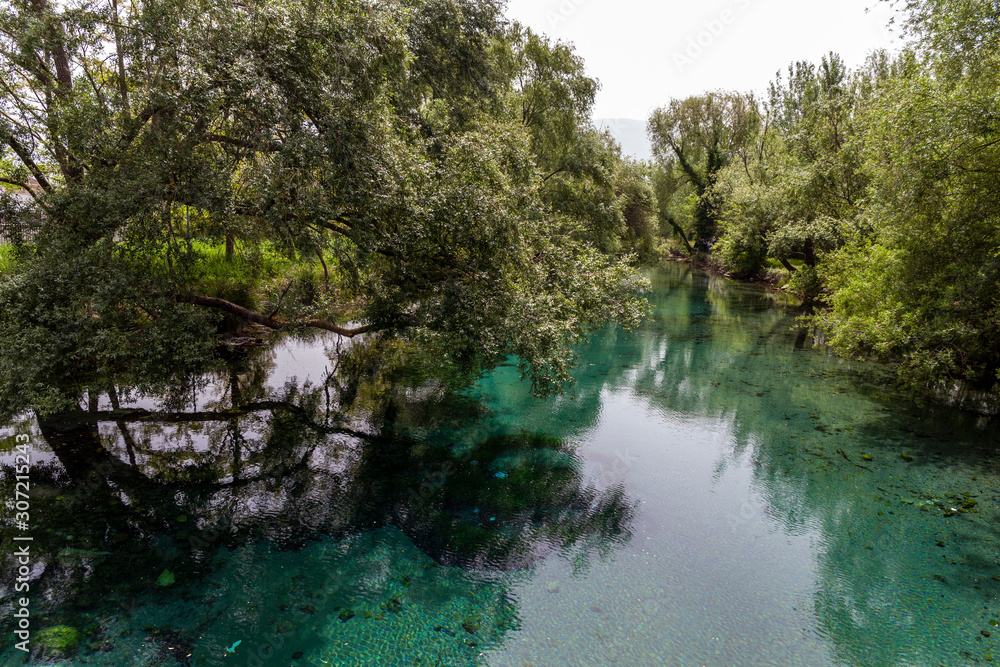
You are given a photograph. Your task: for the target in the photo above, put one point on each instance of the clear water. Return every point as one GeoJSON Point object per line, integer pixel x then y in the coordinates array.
{"type": "Point", "coordinates": [713, 492]}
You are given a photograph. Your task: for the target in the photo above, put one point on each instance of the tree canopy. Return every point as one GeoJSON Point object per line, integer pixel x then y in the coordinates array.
{"type": "Point", "coordinates": [875, 191]}
{"type": "Point", "coordinates": [700, 135]}
{"type": "Point", "coordinates": [408, 141]}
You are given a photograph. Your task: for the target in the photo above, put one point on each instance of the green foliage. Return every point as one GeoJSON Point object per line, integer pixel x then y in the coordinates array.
{"type": "Point", "coordinates": [399, 155]}
{"type": "Point", "coordinates": [242, 278]}
{"type": "Point", "coordinates": [63, 332]}
{"type": "Point", "coordinates": [554, 96]}
{"type": "Point", "coordinates": [583, 174]}
{"type": "Point", "coordinates": [585, 186]}
{"type": "Point", "coordinates": [7, 258]}
{"type": "Point", "coordinates": [699, 136]}
{"type": "Point", "coordinates": [875, 189]}
{"type": "Point", "coordinates": [807, 281]}
{"type": "Point", "coordinates": [675, 199]}
{"type": "Point", "coordinates": [799, 181]}
{"type": "Point", "coordinates": [743, 250]}
{"type": "Point", "coordinates": [959, 40]}
{"type": "Point", "coordinates": [639, 206]}
{"type": "Point", "coordinates": [920, 282]}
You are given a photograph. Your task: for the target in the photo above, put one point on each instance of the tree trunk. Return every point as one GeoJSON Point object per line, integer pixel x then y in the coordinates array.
{"type": "Point", "coordinates": [326, 272]}
{"type": "Point", "coordinates": [788, 265]}
{"type": "Point", "coordinates": [235, 433]}
{"type": "Point", "coordinates": [122, 81]}
{"type": "Point", "coordinates": [810, 253]}
{"type": "Point", "coordinates": [77, 444]}
{"type": "Point", "coordinates": [122, 426]}
{"type": "Point", "coordinates": [680, 231]}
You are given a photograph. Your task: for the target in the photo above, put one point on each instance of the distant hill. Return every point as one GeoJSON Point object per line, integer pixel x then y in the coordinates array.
{"type": "Point", "coordinates": [631, 134]}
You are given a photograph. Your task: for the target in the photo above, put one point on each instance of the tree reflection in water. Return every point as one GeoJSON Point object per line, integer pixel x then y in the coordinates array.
{"type": "Point", "coordinates": [902, 497]}
{"type": "Point", "coordinates": [298, 515]}
{"type": "Point", "coordinates": [289, 510]}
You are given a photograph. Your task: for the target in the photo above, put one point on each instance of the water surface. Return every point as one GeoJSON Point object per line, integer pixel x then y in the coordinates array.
{"type": "Point", "coordinates": [712, 491]}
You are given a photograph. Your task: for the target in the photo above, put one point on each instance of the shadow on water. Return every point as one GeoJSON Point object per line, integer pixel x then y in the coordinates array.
{"type": "Point", "coordinates": [295, 520]}
{"type": "Point", "coordinates": [361, 518]}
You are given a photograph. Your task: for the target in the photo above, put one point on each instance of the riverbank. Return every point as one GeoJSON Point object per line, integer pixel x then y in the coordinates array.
{"type": "Point", "coordinates": [954, 395]}
{"type": "Point", "coordinates": [771, 279]}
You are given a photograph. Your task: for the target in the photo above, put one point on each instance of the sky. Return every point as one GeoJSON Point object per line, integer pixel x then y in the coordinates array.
{"type": "Point", "coordinates": [644, 52]}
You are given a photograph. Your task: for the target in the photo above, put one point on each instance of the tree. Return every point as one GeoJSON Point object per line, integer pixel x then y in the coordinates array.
{"type": "Point", "coordinates": [959, 39]}
{"type": "Point", "coordinates": [672, 193]}
{"type": "Point", "coordinates": [799, 182]}
{"type": "Point", "coordinates": [553, 97]}
{"type": "Point", "coordinates": [580, 165]}
{"type": "Point", "coordinates": [920, 280]}
{"type": "Point", "coordinates": [700, 135]}
{"type": "Point", "coordinates": [297, 123]}
{"type": "Point", "coordinates": [639, 205]}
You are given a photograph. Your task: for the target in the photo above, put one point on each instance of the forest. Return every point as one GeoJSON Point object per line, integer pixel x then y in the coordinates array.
{"type": "Point", "coordinates": [427, 172]}
{"type": "Point", "coordinates": [872, 193]}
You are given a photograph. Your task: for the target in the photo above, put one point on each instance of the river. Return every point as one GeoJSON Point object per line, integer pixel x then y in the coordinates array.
{"type": "Point", "coordinates": [713, 491]}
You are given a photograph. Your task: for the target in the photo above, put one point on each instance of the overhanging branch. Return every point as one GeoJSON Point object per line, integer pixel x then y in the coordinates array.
{"type": "Point", "coordinates": [26, 188]}
{"type": "Point", "coordinates": [7, 137]}
{"type": "Point", "coordinates": [264, 320]}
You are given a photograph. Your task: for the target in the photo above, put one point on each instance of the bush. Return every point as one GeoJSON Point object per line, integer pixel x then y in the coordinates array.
{"type": "Point", "coordinates": [807, 282]}
{"type": "Point", "coordinates": [6, 258]}
{"type": "Point", "coordinates": [742, 251]}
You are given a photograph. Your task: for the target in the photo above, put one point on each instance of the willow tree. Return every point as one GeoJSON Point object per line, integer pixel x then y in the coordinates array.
{"type": "Point", "coordinates": [799, 183]}
{"type": "Point", "coordinates": [920, 281]}
{"type": "Point", "coordinates": [699, 136]}
{"type": "Point", "coordinates": [378, 124]}
{"type": "Point", "coordinates": [585, 180]}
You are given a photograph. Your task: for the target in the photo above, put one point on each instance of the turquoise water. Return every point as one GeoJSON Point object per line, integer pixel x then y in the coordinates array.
{"type": "Point", "coordinates": [713, 491]}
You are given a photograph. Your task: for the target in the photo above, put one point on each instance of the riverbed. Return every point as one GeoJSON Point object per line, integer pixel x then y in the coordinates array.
{"type": "Point", "coordinates": [713, 490]}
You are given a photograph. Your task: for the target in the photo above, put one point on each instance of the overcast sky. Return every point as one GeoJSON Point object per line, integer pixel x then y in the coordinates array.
{"type": "Point", "coordinates": [645, 52]}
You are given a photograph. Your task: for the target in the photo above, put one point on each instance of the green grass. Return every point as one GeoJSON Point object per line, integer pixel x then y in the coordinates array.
{"type": "Point", "coordinates": [257, 276]}
{"type": "Point", "coordinates": [239, 279]}
{"type": "Point", "coordinates": [774, 265]}
{"type": "Point", "coordinates": [6, 259]}
{"type": "Point", "coordinates": [262, 278]}
{"type": "Point", "coordinates": [253, 267]}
